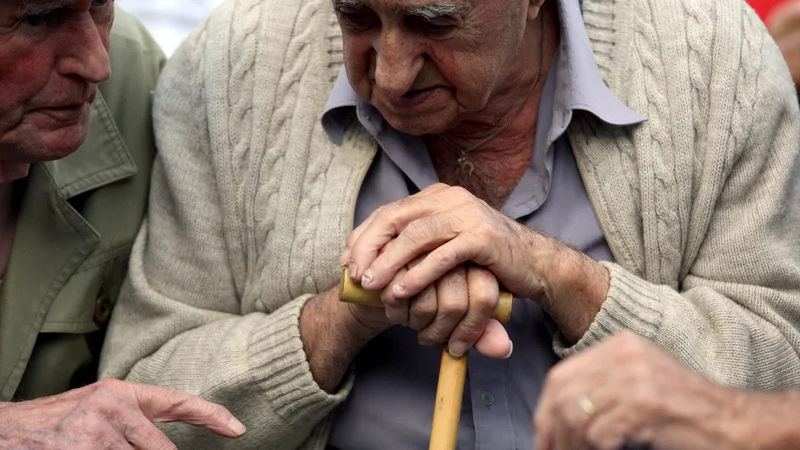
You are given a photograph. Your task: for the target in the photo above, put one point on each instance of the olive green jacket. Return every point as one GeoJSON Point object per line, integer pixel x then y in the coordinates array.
{"type": "Point", "coordinates": [78, 219]}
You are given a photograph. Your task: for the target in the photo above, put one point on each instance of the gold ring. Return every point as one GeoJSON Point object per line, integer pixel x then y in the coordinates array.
{"type": "Point", "coordinates": [586, 405]}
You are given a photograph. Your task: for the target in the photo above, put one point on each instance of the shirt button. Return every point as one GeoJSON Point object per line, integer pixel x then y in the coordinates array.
{"type": "Point", "coordinates": [488, 398]}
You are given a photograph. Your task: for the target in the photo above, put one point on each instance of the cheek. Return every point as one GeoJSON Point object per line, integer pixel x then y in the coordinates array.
{"type": "Point", "coordinates": [23, 75]}
{"type": "Point", "coordinates": [357, 58]}
{"type": "Point", "coordinates": [470, 76]}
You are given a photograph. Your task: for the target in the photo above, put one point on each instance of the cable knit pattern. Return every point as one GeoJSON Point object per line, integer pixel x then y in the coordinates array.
{"type": "Point", "coordinates": [251, 204]}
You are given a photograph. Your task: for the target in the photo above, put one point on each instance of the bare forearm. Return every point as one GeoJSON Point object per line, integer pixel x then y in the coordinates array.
{"type": "Point", "coordinates": [332, 338]}
{"type": "Point", "coordinates": [575, 287]}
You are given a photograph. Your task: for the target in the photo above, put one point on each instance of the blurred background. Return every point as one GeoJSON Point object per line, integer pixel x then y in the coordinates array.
{"type": "Point", "coordinates": [170, 21]}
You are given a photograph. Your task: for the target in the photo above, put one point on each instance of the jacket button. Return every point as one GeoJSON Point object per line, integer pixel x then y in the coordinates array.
{"type": "Point", "coordinates": [102, 310]}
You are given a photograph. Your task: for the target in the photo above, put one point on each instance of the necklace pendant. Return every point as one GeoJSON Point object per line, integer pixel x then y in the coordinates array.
{"type": "Point", "coordinates": [465, 163]}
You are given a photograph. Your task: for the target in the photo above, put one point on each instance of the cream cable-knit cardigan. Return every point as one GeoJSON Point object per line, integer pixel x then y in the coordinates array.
{"type": "Point", "coordinates": [252, 203]}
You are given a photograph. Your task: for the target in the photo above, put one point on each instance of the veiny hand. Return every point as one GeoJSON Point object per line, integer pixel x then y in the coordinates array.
{"type": "Point", "coordinates": [456, 245]}
{"type": "Point", "coordinates": [456, 309]}
{"type": "Point", "coordinates": [784, 26]}
{"type": "Point", "coordinates": [626, 390]}
{"type": "Point", "coordinates": [110, 414]}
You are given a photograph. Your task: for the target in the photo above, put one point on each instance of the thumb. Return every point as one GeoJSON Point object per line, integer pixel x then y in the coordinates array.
{"type": "Point", "coordinates": [494, 342]}
{"type": "Point", "coordinates": [162, 405]}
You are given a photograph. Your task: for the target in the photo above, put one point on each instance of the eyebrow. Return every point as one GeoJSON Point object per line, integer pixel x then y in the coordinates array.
{"type": "Point", "coordinates": [32, 7]}
{"type": "Point", "coordinates": [430, 11]}
{"type": "Point", "coordinates": [435, 10]}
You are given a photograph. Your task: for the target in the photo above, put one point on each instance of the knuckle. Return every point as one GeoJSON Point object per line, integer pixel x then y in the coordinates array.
{"type": "Point", "coordinates": [449, 310]}
{"type": "Point", "coordinates": [471, 329]}
{"type": "Point", "coordinates": [426, 309]}
{"type": "Point", "coordinates": [388, 213]}
{"type": "Point", "coordinates": [443, 258]}
{"type": "Point", "coordinates": [459, 192]}
{"type": "Point", "coordinates": [109, 384]}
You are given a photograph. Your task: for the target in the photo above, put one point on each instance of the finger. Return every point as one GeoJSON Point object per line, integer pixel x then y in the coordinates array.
{"type": "Point", "coordinates": [423, 308]}
{"type": "Point", "coordinates": [162, 405]}
{"type": "Point", "coordinates": [420, 236]}
{"type": "Point", "coordinates": [438, 262]}
{"type": "Point", "coordinates": [453, 303]}
{"type": "Point", "coordinates": [387, 225]}
{"type": "Point", "coordinates": [495, 343]}
{"type": "Point", "coordinates": [347, 260]}
{"type": "Point", "coordinates": [614, 428]}
{"type": "Point", "coordinates": [484, 296]}
{"type": "Point", "coordinates": [396, 309]}
{"type": "Point", "coordinates": [143, 435]}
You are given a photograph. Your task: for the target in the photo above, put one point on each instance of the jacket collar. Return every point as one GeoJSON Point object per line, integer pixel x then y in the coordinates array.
{"type": "Point", "coordinates": [52, 239]}
{"type": "Point", "coordinates": [102, 159]}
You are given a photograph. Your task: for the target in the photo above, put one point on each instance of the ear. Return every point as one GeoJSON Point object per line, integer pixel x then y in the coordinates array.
{"type": "Point", "coordinates": [534, 6]}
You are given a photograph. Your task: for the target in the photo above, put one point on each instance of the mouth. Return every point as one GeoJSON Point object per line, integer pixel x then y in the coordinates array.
{"type": "Point", "coordinates": [413, 98]}
{"type": "Point", "coordinates": [65, 113]}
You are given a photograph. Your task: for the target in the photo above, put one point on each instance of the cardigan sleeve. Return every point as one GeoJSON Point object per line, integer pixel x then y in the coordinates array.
{"type": "Point", "coordinates": [735, 315]}
{"type": "Point", "coordinates": [179, 320]}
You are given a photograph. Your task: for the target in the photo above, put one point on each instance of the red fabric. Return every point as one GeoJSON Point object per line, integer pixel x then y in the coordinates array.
{"type": "Point", "coordinates": [764, 7]}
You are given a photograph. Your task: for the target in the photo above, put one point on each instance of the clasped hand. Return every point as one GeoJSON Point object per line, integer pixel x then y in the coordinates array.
{"type": "Point", "coordinates": [439, 258]}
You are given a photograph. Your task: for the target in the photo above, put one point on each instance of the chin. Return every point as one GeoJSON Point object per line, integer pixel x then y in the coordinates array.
{"type": "Point", "coordinates": [420, 125]}
{"type": "Point", "coordinates": [59, 144]}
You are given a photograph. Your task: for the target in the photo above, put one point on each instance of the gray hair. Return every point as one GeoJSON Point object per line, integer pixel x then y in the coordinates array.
{"type": "Point", "coordinates": [430, 11]}
{"type": "Point", "coordinates": [435, 10]}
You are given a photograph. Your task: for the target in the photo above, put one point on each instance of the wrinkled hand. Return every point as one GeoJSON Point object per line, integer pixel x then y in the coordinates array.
{"type": "Point", "coordinates": [455, 309]}
{"type": "Point", "coordinates": [627, 390]}
{"type": "Point", "coordinates": [110, 414]}
{"type": "Point", "coordinates": [415, 251]}
{"type": "Point", "coordinates": [784, 26]}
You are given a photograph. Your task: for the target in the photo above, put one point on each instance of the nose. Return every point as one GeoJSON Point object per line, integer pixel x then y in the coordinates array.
{"type": "Point", "coordinates": [85, 54]}
{"type": "Point", "coordinates": [397, 63]}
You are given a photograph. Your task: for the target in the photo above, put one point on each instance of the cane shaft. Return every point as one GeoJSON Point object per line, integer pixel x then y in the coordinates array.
{"type": "Point", "coordinates": [449, 396]}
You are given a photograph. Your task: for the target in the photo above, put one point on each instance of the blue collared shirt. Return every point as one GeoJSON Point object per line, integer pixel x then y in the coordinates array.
{"type": "Point", "coordinates": [391, 405]}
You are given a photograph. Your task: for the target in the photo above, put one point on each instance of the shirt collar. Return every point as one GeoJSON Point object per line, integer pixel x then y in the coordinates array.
{"type": "Point", "coordinates": [580, 85]}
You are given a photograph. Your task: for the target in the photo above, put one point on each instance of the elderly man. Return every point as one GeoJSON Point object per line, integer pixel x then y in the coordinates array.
{"type": "Point", "coordinates": [616, 164]}
{"type": "Point", "coordinates": [75, 158]}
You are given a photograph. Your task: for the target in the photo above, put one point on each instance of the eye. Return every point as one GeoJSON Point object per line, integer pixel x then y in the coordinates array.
{"type": "Point", "coordinates": [34, 20]}
{"type": "Point", "coordinates": [357, 21]}
{"type": "Point", "coordinates": [102, 2]}
{"type": "Point", "coordinates": [436, 29]}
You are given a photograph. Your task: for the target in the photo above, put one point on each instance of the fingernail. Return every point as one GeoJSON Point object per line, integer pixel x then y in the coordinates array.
{"type": "Point", "coordinates": [369, 275]}
{"type": "Point", "coordinates": [352, 270]}
{"type": "Point", "coordinates": [237, 427]}
{"type": "Point", "coordinates": [510, 352]}
{"type": "Point", "coordinates": [457, 350]}
{"type": "Point", "coordinates": [399, 288]}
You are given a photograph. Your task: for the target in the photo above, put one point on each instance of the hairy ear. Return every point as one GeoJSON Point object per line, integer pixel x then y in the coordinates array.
{"type": "Point", "coordinates": [534, 6]}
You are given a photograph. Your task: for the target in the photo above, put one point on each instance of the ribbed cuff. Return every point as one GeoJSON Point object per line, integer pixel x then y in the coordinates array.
{"type": "Point", "coordinates": [631, 304]}
{"type": "Point", "coordinates": [279, 364]}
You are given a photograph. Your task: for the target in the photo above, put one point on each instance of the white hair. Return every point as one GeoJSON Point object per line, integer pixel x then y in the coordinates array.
{"type": "Point", "coordinates": [430, 11]}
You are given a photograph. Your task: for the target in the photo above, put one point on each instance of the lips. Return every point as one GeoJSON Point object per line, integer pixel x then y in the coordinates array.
{"type": "Point", "coordinates": [413, 98]}
{"type": "Point", "coordinates": [65, 114]}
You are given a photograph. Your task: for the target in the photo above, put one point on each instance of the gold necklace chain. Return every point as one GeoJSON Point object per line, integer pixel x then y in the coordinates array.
{"type": "Point", "coordinates": [463, 160]}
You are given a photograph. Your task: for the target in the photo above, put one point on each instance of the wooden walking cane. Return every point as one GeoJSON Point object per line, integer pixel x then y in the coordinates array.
{"type": "Point", "coordinates": [452, 372]}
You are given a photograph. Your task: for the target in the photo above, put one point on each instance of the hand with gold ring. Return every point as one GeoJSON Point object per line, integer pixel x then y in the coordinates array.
{"type": "Point", "coordinates": [626, 393]}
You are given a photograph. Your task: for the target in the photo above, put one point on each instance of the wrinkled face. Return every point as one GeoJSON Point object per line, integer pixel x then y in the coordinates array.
{"type": "Point", "coordinates": [427, 65]}
{"type": "Point", "coordinates": [54, 53]}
